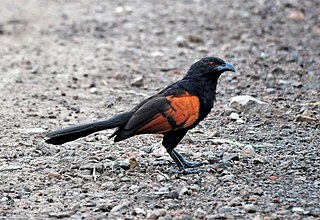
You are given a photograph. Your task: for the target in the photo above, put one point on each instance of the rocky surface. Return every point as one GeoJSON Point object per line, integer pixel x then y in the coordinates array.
{"type": "Point", "coordinates": [67, 62]}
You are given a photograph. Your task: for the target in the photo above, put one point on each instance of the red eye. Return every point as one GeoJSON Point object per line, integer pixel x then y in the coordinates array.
{"type": "Point", "coordinates": [212, 64]}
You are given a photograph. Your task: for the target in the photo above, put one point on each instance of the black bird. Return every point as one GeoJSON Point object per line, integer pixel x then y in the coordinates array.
{"type": "Point", "coordinates": [172, 112]}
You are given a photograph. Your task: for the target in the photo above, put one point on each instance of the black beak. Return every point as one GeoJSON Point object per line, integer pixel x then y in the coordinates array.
{"type": "Point", "coordinates": [226, 67]}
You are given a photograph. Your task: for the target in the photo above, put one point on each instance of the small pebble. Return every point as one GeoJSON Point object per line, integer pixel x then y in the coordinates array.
{"type": "Point", "coordinates": [199, 213]}
{"type": "Point", "coordinates": [10, 167]}
{"type": "Point", "coordinates": [134, 188]}
{"type": "Point", "coordinates": [298, 209]}
{"type": "Point", "coordinates": [303, 118]}
{"type": "Point", "coordinates": [155, 214]}
{"type": "Point", "coordinates": [120, 206]}
{"type": "Point", "coordinates": [161, 178]}
{"type": "Point", "coordinates": [184, 191]}
{"type": "Point", "coordinates": [162, 190]}
{"type": "Point", "coordinates": [139, 211]}
{"type": "Point", "coordinates": [248, 151]}
{"type": "Point", "coordinates": [246, 103]}
{"type": "Point", "coordinates": [54, 175]}
{"type": "Point", "coordinates": [137, 81]}
{"type": "Point", "coordinates": [250, 208]}
{"type": "Point", "coordinates": [225, 209]}
{"type": "Point", "coordinates": [65, 214]}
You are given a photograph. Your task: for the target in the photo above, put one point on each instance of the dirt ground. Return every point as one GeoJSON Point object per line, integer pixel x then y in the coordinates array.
{"type": "Point", "coordinates": [66, 62]}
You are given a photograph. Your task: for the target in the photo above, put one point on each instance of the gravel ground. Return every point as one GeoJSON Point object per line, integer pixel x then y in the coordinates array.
{"type": "Point", "coordinates": [65, 62]}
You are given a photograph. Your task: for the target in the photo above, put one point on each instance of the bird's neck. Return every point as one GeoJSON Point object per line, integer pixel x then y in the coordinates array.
{"type": "Point", "coordinates": [205, 91]}
{"type": "Point", "coordinates": [202, 85]}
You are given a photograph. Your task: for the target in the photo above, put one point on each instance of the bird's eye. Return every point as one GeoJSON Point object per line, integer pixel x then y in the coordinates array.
{"type": "Point", "coordinates": [212, 64]}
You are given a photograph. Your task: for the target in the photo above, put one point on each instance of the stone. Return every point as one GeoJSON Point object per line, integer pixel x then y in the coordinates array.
{"type": "Point", "coordinates": [54, 175]}
{"type": "Point", "coordinates": [105, 207]}
{"type": "Point", "coordinates": [10, 167]}
{"type": "Point", "coordinates": [124, 164]}
{"type": "Point", "coordinates": [309, 113]}
{"type": "Point", "coordinates": [184, 191]}
{"type": "Point", "coordinates": [139, 211]}
{"type": "Point", "coordinates": [137, 81]}
{"type": "Point", "coordinates": [155, 214]}
{"type": "Point", "coordinates": [134, 188]}
{"type": "Point", "coordinates": [248, 151]}
{"type": "Point", "coordinates": [133, 163]}
{"type": "Point", "coordinates": [161, 177]}
{"type": "Point", "coordinates": [33, 130]}
{"type": "Point", "coordinates": [234, 116]}
{"type": "Point", "coordinates": [65, 214]}
{"type": "Point", "coordinates": [304, 118]}
{"type": "Point", "coordinates": [225, 209]}
{"type": "Point", "coordinates": [90, 166]}
{"type": "Point", "coordinates": [228, 110]}
{"type": "Point", "coordinates": [195, 39]}
{"type": "Point", "coordinates": [46, 148]}
{"type": "Point", "coordinates": [162, 191]}
{"type": "Point", "coordinates": [181, 41]}
{"type": "Point", "coordinates": [120, 206]}
{"type": "Point", "coordinates": [157, 54]}
{"type": "Point", "coordinates": [6, 200]}
{"type": "Point", "coordinates": [166, 217]}
{"type": "Point", "coordinates": [250, 208]}
{"type": "Point", "coordinates": [199, 213]}
{"type": "Point", "coordinates": [231, 157]}
{"type": "Point", "coordinates": [258, 191]}
{"type": "Point", "coordinates": [93, 90]}
{"type": "Point", "coordinates": [259, 160]}
{"type": "Point", "coordinates": [227, 178]}
{"type": "Point", "coordinates": [148, 149]}
{"type": "Point", "coordinates": [109, 186]}
{"type": "Point", "coordinates": [298, 209]}
{"type": "Point", "coordinates": [246, 103]}
{"type": "Point", "coordinates": [236, 201]}
{"type": "Point", "coordinates": [296, 15]}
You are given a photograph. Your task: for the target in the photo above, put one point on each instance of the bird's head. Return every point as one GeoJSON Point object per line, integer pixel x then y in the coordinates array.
{"type": "Point", "coordinates": [210, 68]}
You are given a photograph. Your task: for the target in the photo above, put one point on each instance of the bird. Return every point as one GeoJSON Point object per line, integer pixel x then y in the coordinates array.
{"type": "Point", "coordinates": [171, 112]}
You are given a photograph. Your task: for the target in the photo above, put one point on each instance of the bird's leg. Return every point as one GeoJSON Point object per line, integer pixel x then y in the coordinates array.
{"type": "Point", "coordinates": [176, 159]}
{"type": "Point", "coordinates": [181, 164]}
{"type": "Point", "coordinates": [170, 141]}
{"type": "Point", "coordinates": [186, 163]}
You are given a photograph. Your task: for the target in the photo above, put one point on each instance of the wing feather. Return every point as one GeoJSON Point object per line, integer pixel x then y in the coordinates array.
{"type": "Point", "coordinates": [161, 114]}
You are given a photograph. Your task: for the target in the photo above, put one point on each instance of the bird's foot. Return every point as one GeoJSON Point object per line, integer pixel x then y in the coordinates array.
{"type": "Point", "coordinates": [183, 164]}
{"type": "Point", "coordinates": [161, 163]}
{"type": "Point", "coordinates": [188, 164]}
{"type": "Point", "coordinates": [185, 171]}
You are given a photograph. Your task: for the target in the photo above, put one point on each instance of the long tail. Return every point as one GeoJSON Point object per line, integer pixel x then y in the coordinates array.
{"type": "Point", "coordinates": [77, 131]}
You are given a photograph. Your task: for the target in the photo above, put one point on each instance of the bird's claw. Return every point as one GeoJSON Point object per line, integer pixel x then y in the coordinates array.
{"type": "Point", "coordinates": [185, 171]}
{"type": "Point", "coordinates": [161, 163]}
{"type": "Point", "coordinates": [193, 165]}
{"type": "Point", "coordinates": [186, 164]}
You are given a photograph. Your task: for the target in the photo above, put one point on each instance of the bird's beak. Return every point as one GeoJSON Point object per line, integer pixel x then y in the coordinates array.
{"type": "Point", "coordinates": [226, 67]}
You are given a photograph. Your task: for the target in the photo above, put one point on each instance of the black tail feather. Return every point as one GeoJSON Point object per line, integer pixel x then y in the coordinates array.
{"type": "Point", "coordinates": [74, 132]}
